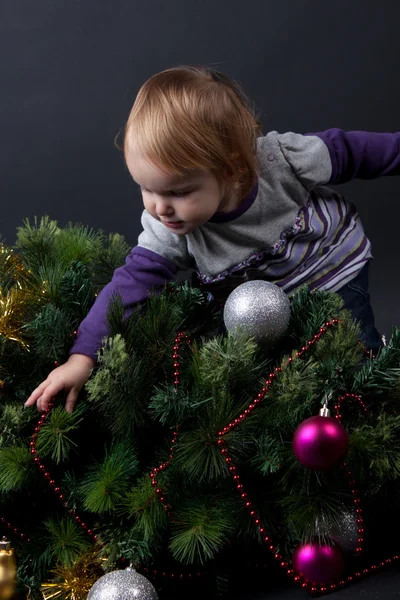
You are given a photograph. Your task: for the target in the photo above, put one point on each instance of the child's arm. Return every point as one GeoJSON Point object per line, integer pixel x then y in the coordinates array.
{"type": "Point", "coordinates": [142, 272]}
{"type": "Point", "coordinates": [150, 265]}
{"type": "Point", "coordinates": [336, 156]}
{"type": "Point", "coordinates": [361, 154]}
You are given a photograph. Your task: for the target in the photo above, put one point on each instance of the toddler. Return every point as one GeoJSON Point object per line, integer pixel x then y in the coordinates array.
{"type": "Point", "coordinates": [234, 205]}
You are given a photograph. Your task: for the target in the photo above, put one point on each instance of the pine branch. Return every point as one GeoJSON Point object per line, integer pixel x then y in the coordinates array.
{"type": "Point", "coordinates": [197, 312]}
{"type": "Point", "coordinates": [76, 290]}
{"type": "Point", "coordinates": [291, 398]}
{"type": "Point", "coordinates": [304, 513]}
{"type": "Point", "coordinates": [198, 455]}
{"type": "Point", "coordinates": [16, 468]}
{"type": "Point", "coordinates": [107, 258]}
{"type": "Point", "coordinates": [318, 307]}
{"type": "Point", "coordinates": [268, 454]}
{"type": "Point", "coordinates": [226, 362]}
{"type": "Point", "coordinates": [106, 484]}
{"type": "Point", "coordinates": [201, 530]}
{"type": "Point", "coordinates": [13, 419]}
{"type": "Point", "coordinates": [67, 541]}
{"type": "Point", "coordinates": [37, 241]}
{"type": "Point", "coordinates": [142, 504]}
{"type": "Point", "coordinates": [71, 489]}
{"type": "Point", "coordinates": [76, 242]}
{"type": "Point", "coordinates": [380, 375]}
{"type": "Point", "coordinates": [51, 334]}
{"type": "Point", "coordinates": [120, 387]}
{"type": "Point", "coordinates": [171, 406]}
{"type": "Point", "coordinates": [54, 437]}
{"type": "Point", "coordinates": [338, 350]}
{"type": "Point", "coordinates": [375, 448]}
{"type": "Point", "coordinates": [121, 542]}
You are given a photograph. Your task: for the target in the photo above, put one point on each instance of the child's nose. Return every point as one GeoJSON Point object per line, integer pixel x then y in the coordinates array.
{"type": "Point", "coordinates": [163, 207]}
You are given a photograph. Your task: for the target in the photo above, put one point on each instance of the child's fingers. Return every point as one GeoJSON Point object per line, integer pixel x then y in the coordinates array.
{"type": "Point", "coordinates": [51, 390]}
{"type": "Point", "coordinates": [36, 393]}
{"type": "Point", "coordinates": [71, 401]}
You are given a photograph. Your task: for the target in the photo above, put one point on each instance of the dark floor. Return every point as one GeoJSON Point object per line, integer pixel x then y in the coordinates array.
{"type": "Point", "coordinates": [380, 586]}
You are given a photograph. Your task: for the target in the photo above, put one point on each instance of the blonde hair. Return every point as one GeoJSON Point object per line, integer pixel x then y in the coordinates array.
{"type": "Point", "coordinates": [188, 118]}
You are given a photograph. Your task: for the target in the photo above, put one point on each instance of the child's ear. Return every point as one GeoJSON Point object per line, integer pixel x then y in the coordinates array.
{"type": "Point", "coordinates": [236, 174]}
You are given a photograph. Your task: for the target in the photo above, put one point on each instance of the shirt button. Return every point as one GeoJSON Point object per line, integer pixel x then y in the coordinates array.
{"type": "Point", "coordinates": [270, 157]}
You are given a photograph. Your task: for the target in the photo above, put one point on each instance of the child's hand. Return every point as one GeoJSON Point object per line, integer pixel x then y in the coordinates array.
{"type": "Point", "coordinates": [71, 377]}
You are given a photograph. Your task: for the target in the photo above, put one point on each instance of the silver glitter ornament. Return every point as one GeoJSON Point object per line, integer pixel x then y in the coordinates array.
{"type": "Point", "coordinates": [122, 585]}
{"type": "Point", "coordinates": [259, 309]}
{"type": "Point", "coordinates": [344, 532]}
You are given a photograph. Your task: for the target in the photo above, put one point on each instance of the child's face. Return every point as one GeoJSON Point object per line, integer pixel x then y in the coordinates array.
{"type": "Point", "coordinates": [181, 204]}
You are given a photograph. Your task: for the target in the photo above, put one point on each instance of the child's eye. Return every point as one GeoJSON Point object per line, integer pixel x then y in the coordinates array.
{"type": "Point", "coordinates": [180, 194]}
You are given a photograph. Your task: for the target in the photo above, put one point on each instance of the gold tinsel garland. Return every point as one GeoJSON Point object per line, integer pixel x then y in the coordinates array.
{"type": "Point", "coordinates": [13, 307]}
{"type": "Point", "coordinates": [15, 300]}
{"type": "Point", "coordinates": [11, 266]}
{"type": "Point", "coordinates": [74, 583]}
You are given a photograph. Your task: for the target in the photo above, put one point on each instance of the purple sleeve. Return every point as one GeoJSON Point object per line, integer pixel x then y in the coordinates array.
{"type": "Point", "coordinates": [143, 271]}
{"type": "Point", "coordinates": [361, 154]}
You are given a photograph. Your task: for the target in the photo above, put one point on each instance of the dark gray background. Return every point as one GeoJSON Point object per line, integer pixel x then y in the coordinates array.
{"type": "Point", "coordinates": [70, 70]}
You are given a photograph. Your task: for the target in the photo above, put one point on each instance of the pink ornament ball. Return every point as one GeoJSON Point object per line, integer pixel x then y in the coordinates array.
{"type": "Point", "coordinates": [318, 563]}
{"type": "Point", "coordinates": [320, 443]}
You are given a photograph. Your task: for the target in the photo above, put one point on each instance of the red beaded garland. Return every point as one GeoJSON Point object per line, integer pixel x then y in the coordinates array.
{"type": "Point", "coordinates": [15, 530]}
{"type": "Point", "coordinates": [55, 489]}
{"type": "Point", "coordinates": [305, 584]}
{"type": "Point", "coordinates": [233, 470]}
{"type": "Point", "coordinates": [153, 475]}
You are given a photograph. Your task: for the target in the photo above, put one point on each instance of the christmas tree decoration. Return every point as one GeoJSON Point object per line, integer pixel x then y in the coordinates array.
{"type": "Point", "coordinates": [343, 531]}
{"type": "Point", "coordinates": [13, 306]}
{"type": "Point", "coordinates": [318, 563]}
{"type": "Point", "coordinates": [74, 582]}
{"type": "Point", "coordinates": [123, 585]}
{"type": "Point", "coordinates": [178, 451]}
{"type": "Point", "coordinates": [259, 309]}
{"type": "Point", "coordinates": [8, 570]}
{"type": "Point", "coordinates": [320, 442]}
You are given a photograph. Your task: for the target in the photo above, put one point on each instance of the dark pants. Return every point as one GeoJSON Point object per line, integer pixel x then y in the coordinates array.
{"type": "Point", "coordinates": [357, 301]}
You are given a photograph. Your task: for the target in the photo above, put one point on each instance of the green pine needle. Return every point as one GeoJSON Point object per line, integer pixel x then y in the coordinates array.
{"type": "Point", "coordinates": [37, 242]}
{"type": "Point", "coordinates": [318, 307]}
{"type": "Point", "coordinates": [225, 361]}
{"type": "Point", "coordinates": [171, 406]}
{"type": "Point", "coordinates": [13, 417]}
{"type": "Point", "coordinates": [200, 531]}
{"type": "Point", "coordinates": [304, 512]}
{"type": "Point", "coordinates": [120, 387]}
{"type": "Point", "coordinates": [16, 468]}
{"type": "Point", "coordinates": [54, 438]}
{"type": "Point", "coordinates": [268, 456]}
{"type": "Point", "coordinates": [338, 349]}
{"type": "Point", "coordinates": [119, 541]}
{"type": "Point", "coordinates": [382, 374]}
{"type": "Point", "coordinates": [375, 449]}
{"type": "Point", "coordinates": [291, 398]}
{"type": "Point", "coordinates": [51, 331]}
{"type": "Point", "coordinates": [106, 259]}
{"type": "Point", "coordinates": [142, 504]}
{"type": "Point", "coordinates": [198, 454]}
{"type": "Point", "coordinates": [77, 242]}
{"type": "Point", "coordinates": [67, 540]}
{"type": "Point", "coordinates": [106, 484]}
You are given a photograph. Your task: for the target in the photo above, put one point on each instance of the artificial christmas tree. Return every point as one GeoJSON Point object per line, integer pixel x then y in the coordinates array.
{"type": "Point", "coordinates": [182, 454]}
